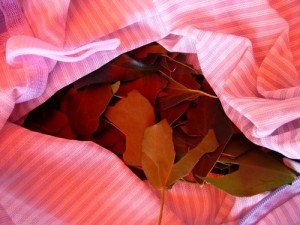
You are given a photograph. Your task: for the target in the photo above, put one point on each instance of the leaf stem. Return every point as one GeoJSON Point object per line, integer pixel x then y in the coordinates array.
{"type": "Point", "coordinates": [188, 89]}
{"type": "Point", "coordinates": [182, 64]}
{"type": "Point", "coordinates": [162, 203]}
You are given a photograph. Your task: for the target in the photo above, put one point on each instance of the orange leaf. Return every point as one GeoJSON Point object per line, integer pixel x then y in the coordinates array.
{"type": "Point", "coordinates": [132, 115]}
{"type": "Point", "coordinates": [158, 154]}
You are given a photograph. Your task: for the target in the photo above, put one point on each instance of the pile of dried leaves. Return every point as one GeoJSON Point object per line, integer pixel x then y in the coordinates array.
{"type": "Point", "coordinates": [159, 114]}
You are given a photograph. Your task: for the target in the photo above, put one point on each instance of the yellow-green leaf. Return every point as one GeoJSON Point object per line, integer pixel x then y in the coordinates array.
{"type": "Point", "coordinates": [258, 172]}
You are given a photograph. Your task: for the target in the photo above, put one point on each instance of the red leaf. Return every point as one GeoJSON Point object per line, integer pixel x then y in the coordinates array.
{"type": "Point", "coordinates": [174, 113]}
{"type": "Point", "coordinates": [123, 68]}
{"type": "Point", "coordinates": [149, 86]}
{"type": "Point", "coordinates": [183, 142]}
{"type": "Point", "coordinates": [180, 72]}
{"type": "Point", "coordinates": [223, 130]}
{"type": "Point", "coordinates": [46, 120]}
{"type": "Point", "coordinates": [111, 138]}
{"type": "Point", "coordinates": [176, 93]}
{"type": "Point", "coordinates": [85, 107]}
{"type": "Point", "coordinates": [152, 48]}
{"type": "Point", "coordinates": [201, 116]}
{"type": "Point", "coordinates": [67, 133]}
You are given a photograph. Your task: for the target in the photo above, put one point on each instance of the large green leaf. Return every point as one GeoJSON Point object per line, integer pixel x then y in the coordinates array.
{"type": "Point", "coordinates": [258, 172]}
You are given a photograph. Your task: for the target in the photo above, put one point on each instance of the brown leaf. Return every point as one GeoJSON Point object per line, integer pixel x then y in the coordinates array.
{"type": "Point", "coordinates": [185, 165]}
{"type": "Point", "coordinates": [237, 146]}
{"type": "Point", "coordinates": [220, 123]}
{"type": "Point", "coordinates": [205, 86]}
{"type": "Point", "coordinates": [149, 86]}
{"type": "Point", "coordinates": [174, 113]}
{"type": "Point", "coordinates": [152, 48]}
{"type": "Point", "coordinates": [85, 107]}
{"type": "Point", "coordinates": [201, 116]}
{"type": "Point", "coordinates": [158, 154]}
{"type": "Point", "coordinates": [46, 120]}
{"type": "Point", "coordinates": [67, 133]}
{"type": "Point", "coordinates": [179, 71]}
{"type": "Point", "coordinates": [122, 68]}
{"type": "Point", "coordinates": [183, 142]}
{"type": "Point", "coordinates": [110, 138]}
{"type": "Point", "coordinates": [176, 93]}
{"type": "Point", "coordinates": [132, 115]}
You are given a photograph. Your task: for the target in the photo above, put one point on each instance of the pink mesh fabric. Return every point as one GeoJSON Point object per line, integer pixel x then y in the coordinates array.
{"type": "Point", "coordinates": [248, 50]}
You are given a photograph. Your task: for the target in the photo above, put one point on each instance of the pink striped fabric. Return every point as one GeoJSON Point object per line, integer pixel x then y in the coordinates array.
{"type": "Point", "coordinates": [248, 50]}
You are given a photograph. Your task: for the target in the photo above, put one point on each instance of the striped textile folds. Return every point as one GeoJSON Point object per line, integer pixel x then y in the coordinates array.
{"type": "Point", "coordinates": [248, 50]}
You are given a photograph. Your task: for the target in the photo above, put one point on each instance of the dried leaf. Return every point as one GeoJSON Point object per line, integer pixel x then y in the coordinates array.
{"type": "Point", "coordinates": [220, 123]}
{"type": "Point", "coordinates": [180, 71]}
{"type": "Point", "coordinates": [205, 86]}
{"type": "Point", "coordinates": [111, 138]}
{"type": "Point", "coordinates": [132, 115]}
{"type": "Point", "coordinates": [152, 48]}
{"type": "Point", "coordinates": [201, 116]}
{"type": "Point", "coordinates": [237, 146]}
{"type": "Point", "coordinates": [258, 172]}
{"type": "Point", "coordinates": [185, 165]}
{"type": "Point", "coordinates": [158, 154]}
{"type": "Point", "coordinates": [46, 120]}
{"type": "Point", "coordinates": [115, 87]}
{"type": "Point", "coordinates": [85, 107]}
{"type": "Point", "coordinates": [183, 142]}
{"type": "Point", "coordinates": [67, 133]}
{"type": "Point", "coordinates": [122, 68]}
{"type": "Point", "coordinates": [142, 85]}
{"type": "Point", "coordinates": [174, 113]}
{"type": "Point", "coordinates": [177, 93]}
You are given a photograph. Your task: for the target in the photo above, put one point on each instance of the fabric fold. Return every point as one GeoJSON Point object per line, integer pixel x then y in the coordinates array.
{"type": "Point", "coordinates": [247, 50]}
{"type": "Point", "coordinates": [43, 182]}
